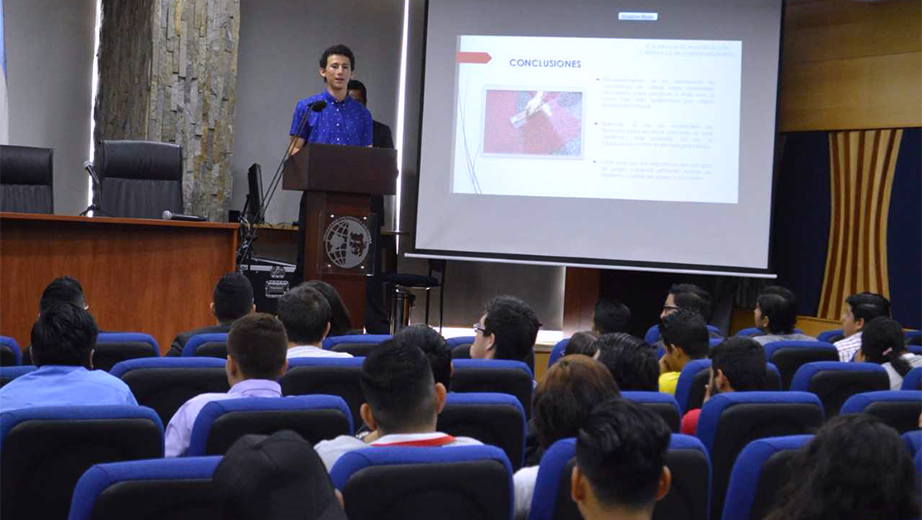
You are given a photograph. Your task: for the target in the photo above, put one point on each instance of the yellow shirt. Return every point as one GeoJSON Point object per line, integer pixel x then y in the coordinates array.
{"type": "Point", "coordinates": [668, 382]}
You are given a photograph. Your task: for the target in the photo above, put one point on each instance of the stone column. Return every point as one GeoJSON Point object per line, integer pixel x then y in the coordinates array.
{"type": "Point", "coordinates": [168, 72]}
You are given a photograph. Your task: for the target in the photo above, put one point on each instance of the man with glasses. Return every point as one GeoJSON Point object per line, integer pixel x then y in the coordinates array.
{"type": "Point", "coordinates": [690, 297]}
{"type": "Point", "coordinates": [507, 329]}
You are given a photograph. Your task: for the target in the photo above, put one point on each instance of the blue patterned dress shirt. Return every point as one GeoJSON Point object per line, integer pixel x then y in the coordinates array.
{"type": "Point", "coordinates": [345, 122]}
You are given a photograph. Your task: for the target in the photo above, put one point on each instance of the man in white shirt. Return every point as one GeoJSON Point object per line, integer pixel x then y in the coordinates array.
{"type": "Point", "coordinates": [403, 402]}
{"type": "Point", "coordinates": [305, 313]}
{"type": "Point", "coordinates": [859, 309]}
{"type": "Point", "coordinates": [256, 347]}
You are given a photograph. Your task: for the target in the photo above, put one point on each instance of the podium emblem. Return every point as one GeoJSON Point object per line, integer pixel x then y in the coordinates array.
{"type": "Point", "coordinates": [347, 241]}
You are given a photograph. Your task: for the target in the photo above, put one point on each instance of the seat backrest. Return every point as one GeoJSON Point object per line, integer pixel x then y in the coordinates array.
{"type": "Point", "coordinates": [691, 386]}
{"type": "Point", "coordinates": [750, 331]}
{"type": "Point", "coordinates": [364, 342]}
{"type": "Point", "coordinates": [8, 374]}
{"type": "Point", "coordinates": [913, 380]}
{"type": "Point", "coordinates": [898, 408]}
{"type": "Point", "coordinates": [328, 376]}
{"type": "Point", "coordinates": [355, 349]}
{"type": "Point", "coordinates": [913, 440]}
{"type": "Point", "coordinates": [10, 353]}
{"type": "Point", "coordinates": [113, 347]}
{"type": "Point", "coordinates": [158, 489]}
{"type": "Point", "coordinates": [492, 375]}
{"type": "Point", "coordinates": [557, 352]}
{"type": "Point", "coordinates": [27, 182]}
{"type": "Point", "coordinates": [47, 449]}
{"type": "Point", "coordinates": [760, 471]}
{"type": "Point", "coordinates": [140, 179]}
{"type": "Point", "coordinates": [834, 382]}
{"type": "Point", "coordinates": [165, 384]}
{"type": "Point", "coordinates": [449, 483]}
{"type": "Point", "coordinates": [830, 336]}
{"type": "Point", "coordinates": [730, 421]}
{"type": "Point", "coordinates": [663, 404]}
{"type": "Point", "coordinates": [461, 352]}
{"type": "Point", "coordinates": [688, 497]}
{"type": "Point", "coordinates": [788, 356]}
{"type": "Point", "coordinates": [460, 340]}
{"type": "Point", "coordinates": [494, 419]}
{"type": "Point", "coordinates": [212, 344]}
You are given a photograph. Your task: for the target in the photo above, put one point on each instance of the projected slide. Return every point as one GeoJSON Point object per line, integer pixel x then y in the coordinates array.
{"type": "Point", "coordinates": [633, 119]}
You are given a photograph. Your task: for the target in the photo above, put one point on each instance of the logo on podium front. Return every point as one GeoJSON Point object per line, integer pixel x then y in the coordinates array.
{"type": "Point", "coordinates": [347, 241]}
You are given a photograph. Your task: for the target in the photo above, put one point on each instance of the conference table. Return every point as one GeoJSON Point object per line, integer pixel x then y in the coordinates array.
{"type": "Point", "coordinates": [138, 275]}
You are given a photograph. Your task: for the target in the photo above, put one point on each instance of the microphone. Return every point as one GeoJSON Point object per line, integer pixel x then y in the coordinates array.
{"type": "Point", "coordinates": [318, 105]}
{"type": "Point", "coordinates": [169, 215]}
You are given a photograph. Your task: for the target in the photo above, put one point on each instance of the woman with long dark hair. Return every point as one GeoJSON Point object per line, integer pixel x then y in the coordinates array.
{"type": "Point", "coordinates": [883, 342]}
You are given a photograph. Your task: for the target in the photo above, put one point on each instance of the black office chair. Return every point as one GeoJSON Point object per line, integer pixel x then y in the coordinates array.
{"type": "Point", "coordinates": [139, 179]}
{"type": "Point", "coordinates": [26, 179]}
{"type": "Point", "coordinates": [398, 283]}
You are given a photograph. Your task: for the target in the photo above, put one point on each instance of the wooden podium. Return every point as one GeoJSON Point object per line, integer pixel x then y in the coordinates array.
{"type": "Point", "coordinates": [340, 181]}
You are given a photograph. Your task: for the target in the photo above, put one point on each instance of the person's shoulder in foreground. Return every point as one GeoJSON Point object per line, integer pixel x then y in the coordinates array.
{"type": "Point", "coordinates": [63, 338]}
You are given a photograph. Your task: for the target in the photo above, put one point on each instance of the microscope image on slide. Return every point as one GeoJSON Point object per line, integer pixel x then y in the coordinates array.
{"type": "Point", "coordinates": [533, 123]}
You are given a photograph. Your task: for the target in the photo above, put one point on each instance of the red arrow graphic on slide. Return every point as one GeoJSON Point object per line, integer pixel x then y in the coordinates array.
{"type": "Point", "coordinates": [474, 57]}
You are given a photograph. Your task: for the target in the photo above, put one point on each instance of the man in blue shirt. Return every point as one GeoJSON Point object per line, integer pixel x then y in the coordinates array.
{"type": "Point", "coordinates": [62, 347]}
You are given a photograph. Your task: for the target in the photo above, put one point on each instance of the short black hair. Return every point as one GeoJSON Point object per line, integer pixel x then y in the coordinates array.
{"type": "Point", "coordinates": [781, 315]}
{"type": "Point", "coordinates": [64, 334]}
{"type": "Point", "coordinates": [883, 341]}
{"type": "Point", "coordinates": [611, 316]}
{"type": "Point", "coordinates": [782, 291]}
{"type": "Point", "coordinates": [259, 345]}
{"type": "Point", "coordinates": [63, 289]}
{"type": "Point", "coordinates": [398, 386]}
{"type": "Point", "coordinates": [233, 297]}
{"type": "Point", "coordinates": [582, 342]}
{"type": "Point", "coordinates": [340, 318]}
{"type": "Point", "coordinates": [355, 84]}
{"type": "Point", "coordinates": [867, 306]}
{"type": "Point", "coordinates": [622, 451]}
{"type": "Point", "coordinates": [690, 296]}
{"type": "Point", "coordinates": [514, 325]}
{"type": "Point", "coordinates": [433, 345]}
{"type": "Point", "coordinates": [340, 50]}
{"type": "Point", "coordinates": [305, 314]}
{"type": "Point", "coordinates": [631, 361]}
{"type": "Point", "coordinates": [687, 330]}
{"type": "Point", "coordinates": [742, 361]}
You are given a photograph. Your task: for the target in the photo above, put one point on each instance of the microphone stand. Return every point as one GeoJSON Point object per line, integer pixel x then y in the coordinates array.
{"type": "Point", "coordinates": [97, 188]}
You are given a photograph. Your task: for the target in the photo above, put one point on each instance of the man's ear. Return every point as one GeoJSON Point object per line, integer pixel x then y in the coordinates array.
{"type": "Point", "coordinates": [665, 482]}
{"type": "Point", "coordinates": [367, 417]}
{"type": "Point", "coordinates": [252, 309]}
{"type": "Point", "coordinates": [440, 393]}
{"type": "Point", "coordinates": [284, 368]}
{"type": "Point", "coordinates": [577, 485]}
{"type": "Point", "coordinates": [233, 368]}
{"type": "Point", "coordinates": [489, 345]}
{"type": "Point", "coordinates": [326, 331]}
{"type": "Point", "coordinates": [211, 306]}
{"type": "Point", "coordinates": [721, 381]}
{"type": "Point", "coordinates": [859, 323]}
{"type": "Point", "coordinates": [89, 359]}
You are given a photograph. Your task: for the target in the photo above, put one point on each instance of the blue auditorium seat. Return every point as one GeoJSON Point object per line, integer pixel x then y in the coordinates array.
{"type": "Point", "coordinates": [461, 347]}
{"type": "Point", "coordinates": [314, 417]}
{"type": "Point", "coordinates": [663, 404]}
{"type": "Point", "coordinates": [449, 483]}
{"type": "Point", "coordinates": [898, 408]}
{"type": "Point", "coordinates": [213, 344]}
{"type": "Point", "coordinates": [10, 353]}
{"type": "Point", "coordinates": [913, 380]}
{"type": "Point", "coordinates": [158, 489]}
{"type": "Point", "coordinates": [760, 471]}
{"type": "Point", "coordinates": [328, 376]}
{"type": "Point", "coordinates": [693, 379]}
{"type": "Point", "coordinates": [113, 347]}
{"type": "Point", "coordinates": [359, 345]}
{"type": "Point", "coordinates": [494, 375]}
{"type": "Point", "coordinates": [557, 351]}
{"type": "Point", "coordinates": [829, 335]}
{"type": "Point", "coordinates": [834, 382]}
{"type": "Point", "coordinates": [788, 356]}
{"type": "Point", "coordinates": [494, 419]}
{"type": "Point", "coordinates": [8, 374]}
{"type": "Point", "coordinates": [913, 441]}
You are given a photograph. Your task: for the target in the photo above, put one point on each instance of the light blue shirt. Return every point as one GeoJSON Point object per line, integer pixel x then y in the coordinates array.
{"type": "Point", "coordinates": [60, 385]}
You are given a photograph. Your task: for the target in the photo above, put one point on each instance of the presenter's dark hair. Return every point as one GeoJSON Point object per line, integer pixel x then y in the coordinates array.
{"type": "Point", "coordinates": [611, 316]}
{"type": "Point", "coordinates": [340, 50]}
{"type": "Point", "coordinates": [690, 296]}
{"type": "Point", "coordinates": [398, 386]}
{"type": "Point", "coordinates": [854, 467]}
{"type": "Point", "coordinates": [355, 84]}
{"type": "Point", "coordinates": [305, 314]}
{"type": "Point", "coordinates": [582, 342]}
{"type": "Point", "coordinates": [233, 297]}
{"type": "Point", "coordinates": [515, 326]}
{"type": "Point", "coordinates": [433, 345]}
{"type": "Point", "coordinates": [631, 361]}
{"type": "Point", "coordinates": [259, 345]}
{"type": "Point", "coordinates": [340, 319]}
{"type": "Point", "coordinates": [622, 451]}
{"type": "Point", "coordinates": [687, 330]}
{"type": "Point", "coordinates": [64, 334]}
{"type": "Point", "coordinates": [883, 341]}
{"type": "Point", "coordinates": [867, 306]}
{"type": "Point", "coordinates": [63, 289]}
{"type": "Point", "coordinates": [742, 361]}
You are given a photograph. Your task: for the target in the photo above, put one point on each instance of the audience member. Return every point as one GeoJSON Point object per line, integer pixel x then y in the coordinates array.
{"type": "Point", "coordinates": [507, 329]}
{"type": "Point", "coordinates": [256, 346]}
{"type": "Point", "coordinates": [340, 319]}
{"type": "Point", "coordinates": [306, 315]}
{"type": "Point", "coordinates": [685, 338]}
{"type": "Point", "coordinates": [776, 315]}
{"type": "Point", "coordinates": [631, 361]}
{"type": "Point", "coordinates": [582, 342]}
{"type": "Point", "coordinates": [276, 477]}
{"type": "Point", "coordinates": [232, 298]}
{"type": "Point", "coordinates": [737, 365]}
{"type": "Point", "coordinates": [620, 470]}
{"type": "Point", "coordinates": [610, 316]}
{"type": "Point", "coordinates": [859, 309]}
{"type": "Point", "coordinates": [62, 289]}
{"type": "Point", "coordinates": [434, 346]}
{"type": "Point", "coordinates": [562, 402]}
{"type": "Point", "coordinates": [883, 342]}
{"type": "Point", "coordinates": [687, 296]}
{"type": "Point", "coordinates": [63, 338]}
{"type": "Point", "coordinates": [402, 402]}
{"type": "Point", "coordinates": [854, 467]}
